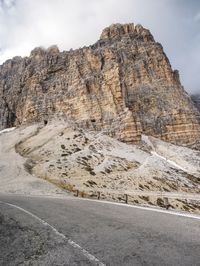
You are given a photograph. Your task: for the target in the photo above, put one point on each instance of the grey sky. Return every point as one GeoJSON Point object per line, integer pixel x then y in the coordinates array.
{"type": "Point", "coordinates": [25, 24]}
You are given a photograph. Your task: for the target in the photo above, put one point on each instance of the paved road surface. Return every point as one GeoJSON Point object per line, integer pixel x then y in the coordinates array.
{"type": "Point", "coordinates": [83, 232]}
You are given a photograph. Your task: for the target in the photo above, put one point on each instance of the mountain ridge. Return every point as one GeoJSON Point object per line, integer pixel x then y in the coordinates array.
{"type": "Point", "coordinates": [123, 84]}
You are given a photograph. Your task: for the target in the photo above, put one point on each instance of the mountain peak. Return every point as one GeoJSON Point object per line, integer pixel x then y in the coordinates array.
{"type": "Point", "coordinates": [118, 31]}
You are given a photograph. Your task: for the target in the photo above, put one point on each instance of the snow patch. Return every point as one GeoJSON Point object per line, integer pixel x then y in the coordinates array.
{"type": "Point", "coordinates": [7, 130]}
{"type": "Point", "coordinates": [169, 161]}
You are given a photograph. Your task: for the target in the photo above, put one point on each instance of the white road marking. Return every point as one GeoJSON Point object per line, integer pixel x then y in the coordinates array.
{"type": "Point", "coordinates": [69, 241]}
{"type": "Point", "coordinates": [186, 215]}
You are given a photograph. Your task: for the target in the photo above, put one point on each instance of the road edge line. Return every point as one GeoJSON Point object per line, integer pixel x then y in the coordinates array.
{"type": "Point", "coordinates": [89, 256]}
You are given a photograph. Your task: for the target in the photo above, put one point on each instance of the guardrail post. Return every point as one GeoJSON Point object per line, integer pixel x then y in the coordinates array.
{"type": "Point", "coordinates": [98, 195]}
{"type": "Point", "coordinates": [166, 202]}
{"type": "Point", "coordinates": [126, 198]}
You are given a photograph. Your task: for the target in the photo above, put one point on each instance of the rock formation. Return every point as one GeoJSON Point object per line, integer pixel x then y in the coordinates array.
{"type": "Point", "coordinates": [123, 84]}
{"type": "Point", "coordinates": [196, 100]}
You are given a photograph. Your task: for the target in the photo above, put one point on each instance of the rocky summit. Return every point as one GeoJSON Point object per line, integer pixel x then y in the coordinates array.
{"type": "Point", "coordinates": [123, 85]}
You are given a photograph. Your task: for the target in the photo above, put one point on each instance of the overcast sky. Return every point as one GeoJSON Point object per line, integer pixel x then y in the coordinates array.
{"type": "Point", "coordinates": [25, 24]}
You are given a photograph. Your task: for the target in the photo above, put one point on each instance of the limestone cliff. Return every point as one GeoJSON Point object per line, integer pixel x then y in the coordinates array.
{"type": "Point", "coordinates": [123, 84]}
{"type": "Point", "coordinates": [196, 100]}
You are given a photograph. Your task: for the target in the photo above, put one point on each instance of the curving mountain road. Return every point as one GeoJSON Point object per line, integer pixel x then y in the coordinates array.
{"type": "Point", "coordinates": [71, 231]}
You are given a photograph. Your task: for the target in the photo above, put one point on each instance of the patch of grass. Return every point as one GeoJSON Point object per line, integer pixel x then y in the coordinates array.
{"type": "Point", "coordinates": [108, 171]}
{"type": "Point", "coordinates": [88, 168]}
{"type": "Point", "coordinates": [172, 185]}
{"type": "Point", "coordinates": [76, 136]}
{"type": "Point", "coordinates": [82, 162]}
{"type": "Point", "coordinates": [146, 198]}
{"type": "Point", "coordinates": [165, 189]}
{"type": "Point", "coordinates": [69, 187]}
{"type": "Point", "coordinates": [61, 184]}
{"type": "Point", "coordinates": [86, 140]}
{"type": "Point", "coordinates": [92, 173]}
{"type": "Point", "coordinates": [91, 182]}
{"type": "Point", "coordinates": [160, 202]}
{"type": "Point", "coordinates": [29, 165]}
{"type": "Point", "coordinates": [82, 194]}
{"type": "Point", "coordinates": [77, 149]}
{"type": "Point", "coordinates": [141, 186]}
{"type": "Point", "coordinates": [194, 179]}
{"type": "Point", "coordinates": [93, 195]}
{"type": "Point", "coordinates": [92, 148]}
{"type": "Point", "coordinates": [65, 174]}
{"type": "Point", "coordinates": [120, 198]}
{"type": "Point", "coordinates": [186, 208]}
{"type": "Point", "coordinates": [84, 158]}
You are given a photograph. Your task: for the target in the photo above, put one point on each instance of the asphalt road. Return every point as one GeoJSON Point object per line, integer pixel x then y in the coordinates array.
{"type": "Point", "coordinates": [71, 231]}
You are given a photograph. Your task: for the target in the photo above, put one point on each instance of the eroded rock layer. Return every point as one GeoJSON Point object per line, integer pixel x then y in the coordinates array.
{"type": "Point", "coordinates": [123, 84]}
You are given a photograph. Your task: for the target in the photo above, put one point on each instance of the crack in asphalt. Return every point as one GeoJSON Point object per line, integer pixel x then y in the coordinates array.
{"type": "Point", "coordinates": [89, 256]}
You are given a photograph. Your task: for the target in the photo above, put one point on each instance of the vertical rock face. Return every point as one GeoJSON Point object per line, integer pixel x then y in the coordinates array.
{"type": "Point", "coordinates": [123, 84]}
{"type": "Point", "coordinates": [196, 100]}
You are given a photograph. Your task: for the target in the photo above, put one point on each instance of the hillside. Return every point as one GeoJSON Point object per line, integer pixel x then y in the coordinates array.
{"type": "Point", "coordinates": [72, 158]}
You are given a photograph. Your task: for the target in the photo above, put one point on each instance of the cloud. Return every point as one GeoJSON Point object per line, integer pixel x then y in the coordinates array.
{"type": "Point", "coordinates": [25, 24]}
{"type": "Point", "coordinates": [197, 17]}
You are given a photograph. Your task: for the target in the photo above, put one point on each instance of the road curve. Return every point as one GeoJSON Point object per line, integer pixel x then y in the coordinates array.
{"type": "Point", "coordinates": [71, 231]}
